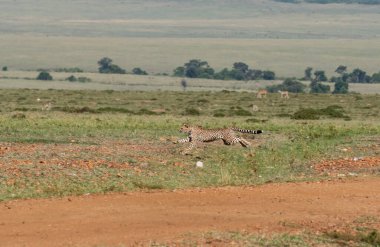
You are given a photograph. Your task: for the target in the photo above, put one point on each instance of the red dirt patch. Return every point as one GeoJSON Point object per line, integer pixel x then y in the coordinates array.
{"type": "Point", "coordinates": [342, 166]}
{"type": "Point", "coordinates": [132, 218]}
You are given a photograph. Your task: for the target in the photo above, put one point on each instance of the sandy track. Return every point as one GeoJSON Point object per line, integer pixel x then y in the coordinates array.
{"type": "Point", "coordinates": [165, 216]}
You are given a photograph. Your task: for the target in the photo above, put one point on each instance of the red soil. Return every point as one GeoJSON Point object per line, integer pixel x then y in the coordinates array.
{"type": "Point", "coordinates": [138, 218]}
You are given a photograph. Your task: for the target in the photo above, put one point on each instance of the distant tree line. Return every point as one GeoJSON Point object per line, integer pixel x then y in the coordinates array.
{"type": "Point", "coordinates": [341, 82]}
{"type": "Point", "coordinates": [197, 68]}
{"type": "Point", "coordinates": [107, 67]}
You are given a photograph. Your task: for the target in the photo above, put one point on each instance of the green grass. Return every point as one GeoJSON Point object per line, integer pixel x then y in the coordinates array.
{"type": "Point", "coordinates": [360, 232]}
{"type": "Point", "coordinates": [118, 144]}
{"type": "Point", "coordinates": [284, 239]}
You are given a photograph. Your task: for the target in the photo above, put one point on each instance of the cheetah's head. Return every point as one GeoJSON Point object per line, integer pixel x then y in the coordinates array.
{"type": "Point", "coordinates": [185, 128]}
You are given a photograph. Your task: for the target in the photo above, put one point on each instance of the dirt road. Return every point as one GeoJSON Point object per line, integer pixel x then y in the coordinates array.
{"type": "Point", "coordinates": [166, 216]}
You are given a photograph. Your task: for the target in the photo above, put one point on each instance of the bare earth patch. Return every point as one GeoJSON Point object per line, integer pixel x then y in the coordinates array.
{"type": "Point", "coordinates": [166, 217]}
{"type": "Point", "coordinates": [348, 165]}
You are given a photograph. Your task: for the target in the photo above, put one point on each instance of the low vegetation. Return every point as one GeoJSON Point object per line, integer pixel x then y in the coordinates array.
{"type": "Point", "coordinates": [360, 238]}
{"type": "Point", "coordinates": [100, 141]}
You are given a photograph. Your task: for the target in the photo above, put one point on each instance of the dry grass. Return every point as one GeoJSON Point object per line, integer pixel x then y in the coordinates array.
{"type": "Point", "coordinates": [25, 79]}
{"type": "Point", "coordinates": [157, 55]}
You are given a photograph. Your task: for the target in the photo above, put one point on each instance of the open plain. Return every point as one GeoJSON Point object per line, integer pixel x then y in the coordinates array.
{"type": "Point", "coordinates": [94, 161]}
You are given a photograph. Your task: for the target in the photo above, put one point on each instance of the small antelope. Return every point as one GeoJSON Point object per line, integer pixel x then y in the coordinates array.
{"type": "Point", "coordinates": [46, 107]}
{"type": "Point", "coordinates": [262, 93]}
{"type": "Point", "coordinates": [284, 94]}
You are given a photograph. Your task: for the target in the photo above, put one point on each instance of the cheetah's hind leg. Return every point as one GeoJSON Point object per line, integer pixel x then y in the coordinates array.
{"type": "Point", "coordinates": [244, 142]}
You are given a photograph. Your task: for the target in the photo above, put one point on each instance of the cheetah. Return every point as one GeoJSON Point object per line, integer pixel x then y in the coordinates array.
{"type": "Point", "coordinates": [197, 134]}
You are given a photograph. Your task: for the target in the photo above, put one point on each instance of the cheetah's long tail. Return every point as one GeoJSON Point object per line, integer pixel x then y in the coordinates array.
{"type": "Point", "coordinates": [248, 131]}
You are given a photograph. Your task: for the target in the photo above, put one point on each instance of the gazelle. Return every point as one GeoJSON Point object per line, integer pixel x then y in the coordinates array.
{"type": "Point", "coordinates": [46, 107]}
{"type": "Point", "coordinates": [262, 93]}
{"type": "Point", "coordinates": [284, 94]}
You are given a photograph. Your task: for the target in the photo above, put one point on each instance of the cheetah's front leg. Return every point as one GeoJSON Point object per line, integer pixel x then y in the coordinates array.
{"type": "Point", "coordinates": [189, 148]}
{"type": "Point", "coordinates": [187, 139]}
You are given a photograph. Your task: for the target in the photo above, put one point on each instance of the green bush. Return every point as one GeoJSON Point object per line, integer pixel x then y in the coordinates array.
{"type": "Point", "coordinates": [340, 87]}
{"type": "Point", "coordinates": [307, 114]}
{"type": "Point", "coordinates": [191, 112]}
{"type": "Point", "coordinates": [71, 78]}
{"type": "Point", "coordinates": [114, 110]}
{"type": "Point", "coordinates": [332, 111]}
{"type": "Point", "coordinates": [288, 84]}
{"type": "Point", "coordinates": [107, 67]}
{"type": "Point", "coordinates": [69, 70]}
{"type": "Point", "coordinates": [138, 71]}
{"type": "Point", "coordinates": [71, 109]}
{"type": "Point", "coordinates": [318, 87]}
{"type": "Point", "coordinates": [44, 76]}
{"type": "Point", "coordinates": [84, 79]}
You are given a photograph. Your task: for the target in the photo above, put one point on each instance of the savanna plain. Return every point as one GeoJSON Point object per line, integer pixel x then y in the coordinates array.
{"type": "Point", "coordinates": [95, 163]}
{"type": "Point", "coordinates": [101, 142]}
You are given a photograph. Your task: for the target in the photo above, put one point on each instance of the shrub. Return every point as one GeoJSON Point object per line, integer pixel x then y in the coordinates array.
{"type": "Point", "coordinates": [44, 76]}
{"type": "Point", "coordinates": [69, 70]}
{"type": "Point", "coordinates": [114, 109]}
{"type": "Point", "coordinates": [333, 111]}
{"type": "Point", "coordinates": [269, 75]}
{"type": "Point", "coordinates": [376, 77]}
{"type": "Point", "coordinates": [340, 87]}
{"type": "Point", "coordinates": [144, 111]}
{"type": "Point", "coordinates": [191, 111]}
{"type": "Point", "coordinates": [241, 112]}
{"type": "Point", "coordinates": [71, 109]}
{"type": "Point", "coordinates": [84, 79]}
{"type": "Point", "coordinates": [19, 115]}
{"type": "Point", "coordinates": [71, 78]}
{"type": "Point", "coordinates": [5, 68]}
{"type": "Point", "coordinates": [318, 87]}
{"type": "Point", "coordinates": [290, 85]}
{"type": "Point", "coordinates": [219, 113]}
{"type": "Point", "coordinates": [107, 67]}
{"type": "Point", "coordinates": [138, 71]}
{"type": "Point", "coordinates": [307, 114]}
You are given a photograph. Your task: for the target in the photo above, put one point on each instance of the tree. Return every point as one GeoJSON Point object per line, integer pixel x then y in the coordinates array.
{"type": "Point", "coordinates": [107, 67]}
{"type": "Point", "coordinates": [269, 75]}
{"type": "Point", "coordinates": [359, 76]}
{"type": "Point", "coordinates": [197, 68]}
{"type": "Point", "coordinates": [5, 68]}
{"type": "Point", "coordinates": [240, 71]}
{"type": "Point", "coordinates": [237, 75]}
{"type": "Point", "coordinates": [320, 75]}
{"type": "Point", "coordinates": [105, 62]}
{"type": "Point", "coordinates": [254, 74]}
{"type": "Point", "coordinates": [340, 87]}
{"type": "Point", "coordinates": [44, 76]}
{"type": "Point", "coordinates": [376, 77]}
{"type": "Point", "coordinates": [71, 78]}
{"type": "Point", "coordinates": [308, 71]}
{"type": "Point", "coordinates": [224, 74]}
{"type": "Point", "coordinates": [318, 87]}
{"type": "Point", "coordinates": [288, 84]}
{"type": "Point", "coordinates": [241, 67]}
{"type": "Point", "coordinates": [138, 71]}
{"type": "Point", "coordinates": [293, 86]}
{"type": "Point", "coordinates": [341, 69]}
{"type": "Point", "coordinates": [179, 71]}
